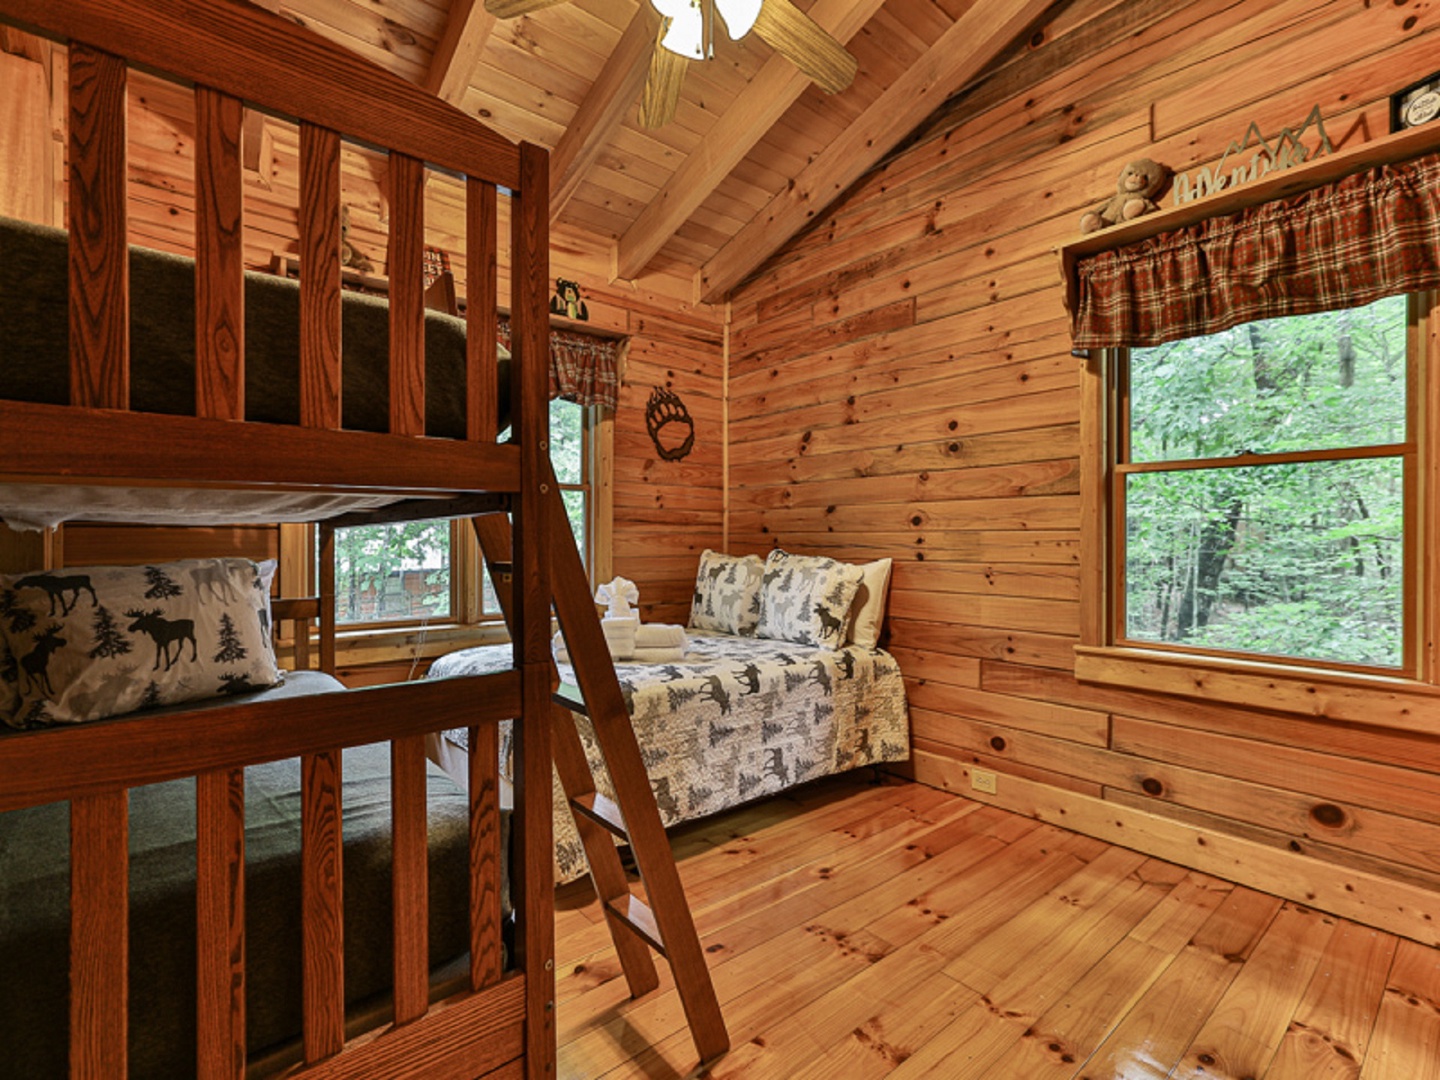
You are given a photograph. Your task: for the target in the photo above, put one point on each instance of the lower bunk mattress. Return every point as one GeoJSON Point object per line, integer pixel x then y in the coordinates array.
{"type": "Point", "coordinates": [35, 920]}
{"type": "Point", "coordinates": [740, 718]}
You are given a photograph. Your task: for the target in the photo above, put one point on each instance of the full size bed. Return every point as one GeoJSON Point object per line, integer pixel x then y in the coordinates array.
{"type": "Point", "coordinates": [780, 681]}
{"type": "Point", "coordinates": [104, 774]}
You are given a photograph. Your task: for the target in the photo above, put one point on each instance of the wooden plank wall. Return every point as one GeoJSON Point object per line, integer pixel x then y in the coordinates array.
{"type": "Point", "coordinates": [901, 384]}
{"type": "Point", "coordinates": [665, 513]}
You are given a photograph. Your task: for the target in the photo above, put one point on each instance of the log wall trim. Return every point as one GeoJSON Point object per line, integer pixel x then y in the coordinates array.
{"type": "Point", "coordinates": [1408, 910]}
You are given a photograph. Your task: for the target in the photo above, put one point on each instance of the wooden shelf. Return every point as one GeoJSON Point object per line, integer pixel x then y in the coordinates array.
{"type": "Point", "coordinates": [287, 265]}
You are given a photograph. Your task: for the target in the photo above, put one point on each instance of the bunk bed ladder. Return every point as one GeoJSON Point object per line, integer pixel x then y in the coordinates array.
{"type": "Point", "coordinates": [664, 923]}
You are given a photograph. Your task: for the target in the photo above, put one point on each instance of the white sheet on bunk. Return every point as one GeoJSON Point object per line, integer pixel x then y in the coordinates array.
{"type": "Point", "coordinates": [41, 506]}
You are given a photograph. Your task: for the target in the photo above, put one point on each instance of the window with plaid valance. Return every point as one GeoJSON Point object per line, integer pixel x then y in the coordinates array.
{"type": "Point", "coordinates": [1372, 234]}
{"type": "Point", "coordinates": [584, 368]}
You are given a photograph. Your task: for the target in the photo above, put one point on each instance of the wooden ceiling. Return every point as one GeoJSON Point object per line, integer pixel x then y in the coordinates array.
{"type": "Point", "coordinates": [755, 150]}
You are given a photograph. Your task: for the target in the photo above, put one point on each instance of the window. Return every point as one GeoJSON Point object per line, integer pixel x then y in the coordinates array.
{"type": "Point", "coordinates": [391, 573]}
{"type": "Point", "coordinates": [1262, 490]}
{"type": "Point", "coordinates": [403, 572]}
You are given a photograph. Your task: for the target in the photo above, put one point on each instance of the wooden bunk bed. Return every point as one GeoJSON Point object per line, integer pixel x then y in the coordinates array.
{"type": "Point", "coordinates": [238, 56]}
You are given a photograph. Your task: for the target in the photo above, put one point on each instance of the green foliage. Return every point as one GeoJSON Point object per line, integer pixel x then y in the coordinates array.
{"type": "Point", "coordinates": [1300, 559]}
{"type": "Point", "coordinates": [373, 561]}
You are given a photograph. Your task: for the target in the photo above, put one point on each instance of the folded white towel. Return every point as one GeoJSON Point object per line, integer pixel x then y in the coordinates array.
{"type": "Point", "coordinates": [618, 596]}
{"type": "Point", "coordinates": [660, 636]}
{"type": "Point", "coordinates": [655, 656]}
{"type": "Point", "coordinates": [620, 634]}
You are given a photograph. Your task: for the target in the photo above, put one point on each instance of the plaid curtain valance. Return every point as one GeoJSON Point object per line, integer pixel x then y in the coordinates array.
{"type": "Point", "coordinates": [1372, 234]}
{"type": "Point", "coordinates": [583, 369]}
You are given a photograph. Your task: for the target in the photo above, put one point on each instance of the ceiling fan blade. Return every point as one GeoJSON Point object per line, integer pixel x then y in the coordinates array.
{"type": "Point", "coordinates": [508, 9]}
{"type": "Point", "coordinates": [802, 41]}
{"type": "Point", "coordinates": [662, 85]}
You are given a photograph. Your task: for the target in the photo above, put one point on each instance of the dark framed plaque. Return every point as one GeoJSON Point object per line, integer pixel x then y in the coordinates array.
{"type": "Point", "coordinates": [1417, 104]}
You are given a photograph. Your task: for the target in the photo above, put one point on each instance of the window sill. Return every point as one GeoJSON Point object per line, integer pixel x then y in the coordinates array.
{"type": "Point", "coordinates": [383, 645]}
{"type": "Point", "coordinates": [1351, 697]}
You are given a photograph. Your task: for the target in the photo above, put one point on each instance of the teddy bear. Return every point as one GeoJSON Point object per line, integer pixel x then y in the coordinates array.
{"type": "Point", "coordinates": [1139, 185]}
{"type": "Point", "coordinates": [349, 256]}
{"type": "Point", "coordinates": [567, 301]}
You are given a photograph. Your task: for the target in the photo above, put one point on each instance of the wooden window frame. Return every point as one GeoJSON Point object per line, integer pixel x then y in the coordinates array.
{"type": "Point", "coordinates": [1409, 700]}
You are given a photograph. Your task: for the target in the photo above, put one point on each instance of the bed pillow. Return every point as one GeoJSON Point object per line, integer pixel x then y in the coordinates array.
{"type": "Point", "coordinates": [806, 599]}
{"type": "Point", "coordinates": [98, 641]}
{"type": "Point", "coordinates": [867, 613]}
{"type": "Point", "coordinates": [727, 593]}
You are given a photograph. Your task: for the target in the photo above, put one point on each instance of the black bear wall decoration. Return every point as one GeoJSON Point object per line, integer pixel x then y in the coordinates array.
{"type": "Point", "coordinates": [567, 301]}
{"type": "Point", "coordinates": [669, 424]}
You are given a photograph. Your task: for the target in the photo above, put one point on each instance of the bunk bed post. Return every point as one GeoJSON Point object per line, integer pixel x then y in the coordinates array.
{"type": "Point", "coordinates": [99, 378]}
{"type": "Point", "coordinates": [530, 324]}
{"type": "Point", "coordinates": [220, 395]}
{"type": "Point", "coordinates": [219, 257]}
{"type": "Point", "coordinates": [99, 935]}
{"type": "Point", "coordinates": [482, 227]}
{"type": "Point", "coordinates": [406, 267]}
{"type": "Point", "coordinates": [319, 277]}
{"type": "Point", "coordinates": [322, 905]}
{"type": "Point", "coordinates": [407, 755]}
{"type": "Point", "coordinates": [99, 261]}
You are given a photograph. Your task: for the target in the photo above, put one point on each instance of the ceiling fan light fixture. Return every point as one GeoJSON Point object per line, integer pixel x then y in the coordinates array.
{"type": "Point", "coordinates": [739, 16]}
{"type": "Point", "coordinates": [685, 34]}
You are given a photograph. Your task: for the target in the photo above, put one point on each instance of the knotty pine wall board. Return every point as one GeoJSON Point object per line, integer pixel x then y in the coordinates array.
{"type": "Point", "coordinates": [940, 699]}
{"type": "Point", "coordinates": [878, 397]}
{"type": "Point", "coordinates": [938, 667]}
{"type": "Point", "coordinates": [841, 445]}
{"type": "Point", "coordinates": [994, 579]}
{"type": "Point", "coordinates": [930, 349]}
{"type": "Point", "coordinates": [985, 643]}
{"type": "Point", "coordinates": [912, 459]}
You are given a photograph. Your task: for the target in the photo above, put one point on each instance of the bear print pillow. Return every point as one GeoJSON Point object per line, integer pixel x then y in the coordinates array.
{"type": "Point", "coordinates": [98, 641]}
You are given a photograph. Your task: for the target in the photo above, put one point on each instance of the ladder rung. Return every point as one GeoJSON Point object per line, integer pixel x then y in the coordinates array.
{"type": "Point", "coordinates": [636, 914]}
{"type": "Point", "coordinates": [602, 810]}
{"type": "Point", "coordinates": [569, 696]}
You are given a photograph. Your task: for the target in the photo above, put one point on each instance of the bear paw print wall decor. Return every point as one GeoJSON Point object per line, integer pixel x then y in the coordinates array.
{"type": "Point", "coordinates": [669, 424]}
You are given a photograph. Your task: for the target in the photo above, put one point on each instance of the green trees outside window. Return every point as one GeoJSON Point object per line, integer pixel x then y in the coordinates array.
{"type": "Point", "coordinates": [1260, 492]}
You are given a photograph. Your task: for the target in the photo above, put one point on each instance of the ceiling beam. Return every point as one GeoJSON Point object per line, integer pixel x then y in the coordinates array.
{"type": "Point", "coordinates": [960, 54]}
{"type": "Point", "coordinates": [776, 86]}
{"type": "Point", "coordinates": [603, 110]}
{"type": "Point", "coordinates": [457, 53]}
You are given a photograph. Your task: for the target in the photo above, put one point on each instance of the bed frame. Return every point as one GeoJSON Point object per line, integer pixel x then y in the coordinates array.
{"type": "Point", "coordinates": [238, 56]}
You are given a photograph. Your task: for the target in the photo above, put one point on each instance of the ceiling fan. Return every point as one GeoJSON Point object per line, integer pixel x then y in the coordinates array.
{"type": "Point", "coordinates": [687, 33]}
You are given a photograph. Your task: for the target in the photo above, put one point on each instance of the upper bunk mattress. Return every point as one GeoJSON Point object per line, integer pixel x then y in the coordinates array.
{"type": "Point", "coordinates": [35, 367]}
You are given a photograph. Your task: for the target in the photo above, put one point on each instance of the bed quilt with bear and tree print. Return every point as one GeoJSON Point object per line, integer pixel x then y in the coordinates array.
{"type": "Point", "coordinates": [739, 719]}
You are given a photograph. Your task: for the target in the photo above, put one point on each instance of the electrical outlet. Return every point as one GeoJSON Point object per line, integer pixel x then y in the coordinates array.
{"type": "Point", "coordinates": [982, 780]}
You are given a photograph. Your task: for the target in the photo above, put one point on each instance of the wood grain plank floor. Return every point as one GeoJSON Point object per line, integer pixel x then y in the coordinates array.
{"type": "Point", "coordinates": [860, 931]}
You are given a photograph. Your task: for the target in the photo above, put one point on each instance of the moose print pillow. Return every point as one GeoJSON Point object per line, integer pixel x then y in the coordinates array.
{"type": "Point", "coordinates": [806, 599]}
{"type": "Point", "coordinates": [95, 641]}
{"type": "Point", "coordinates": [727, 593]}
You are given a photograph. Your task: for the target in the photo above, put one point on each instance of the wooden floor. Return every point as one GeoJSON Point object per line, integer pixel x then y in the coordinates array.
{"type": "Point", "coordinates": [860, 931]}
